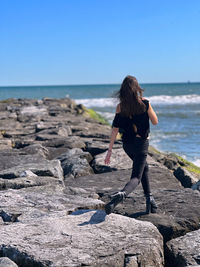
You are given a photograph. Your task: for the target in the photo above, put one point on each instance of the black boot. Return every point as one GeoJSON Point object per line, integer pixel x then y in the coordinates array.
{"type": "Point", "coordinates": [151, 204]}
{"type": "Point", "coordinates": [115, 200]}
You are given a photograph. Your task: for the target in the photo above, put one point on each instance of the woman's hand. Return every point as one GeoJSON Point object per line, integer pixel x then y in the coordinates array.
{"type": "Point", "coordinates": [108, 155]}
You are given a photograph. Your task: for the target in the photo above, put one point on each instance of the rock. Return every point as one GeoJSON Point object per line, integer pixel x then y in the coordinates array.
{"type": "Point", "coordinates": [12, 158]}
{"type": "Point", "coordinates": [45, 137]}
{"type": "Point", "coordinates": [196, 186]}
{"type": "Point", "coordinates": [24, 182]}
{"type": "Point", "coordinates": [5, 144]}
{"type": "Point", "coordinates": [139, 239]}
{"type": "Point", "coordinates": [36, 149]}
{"type": "Point", "coordinates": [68, 142]}
{"type": "Point", "coordinates": [91, 130]}
{"type": "Point", "coordinates": [184, 251]}
{"type": "Point", "coordinates": [9, 124]}
{"type": "Point", "coordinates": [40, 201]}
{"type": "Point", "coordinates": [9, 217]}
{"type": "Point", "coordinates": [119, 160]}
{"type": "Point", "coordinates": [97, 146]}
{"type": "Point", "coordinates": [6, 262]}
{"type": "Point", "coordinates": [60, 131]}
{"type": "Point", "coordinates": [75, 163]}
{"type": "Point", "coordinates": [31, 113]}
{"type": "Point", "coordinates": [27, 173]}
{"type": "Point", "coordinates": [40, 168]}
{"type": "Point", "coordinates": [185, 177]}
{"type": "Point", "coordinates": [175, 216]}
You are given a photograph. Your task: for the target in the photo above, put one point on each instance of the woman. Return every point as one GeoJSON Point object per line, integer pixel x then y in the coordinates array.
{"type": "Point", "coordinates": [132, 118]}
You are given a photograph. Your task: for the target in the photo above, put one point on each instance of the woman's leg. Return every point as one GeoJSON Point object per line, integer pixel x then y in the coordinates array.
{"type": "Point", "coordinates": [145, 180]}
{"type": "Point", "coordinates": [139, 166]}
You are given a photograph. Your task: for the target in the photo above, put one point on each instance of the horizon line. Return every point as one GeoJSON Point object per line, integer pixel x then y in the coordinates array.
{"type": "Point", "coordinates": [85, 84]}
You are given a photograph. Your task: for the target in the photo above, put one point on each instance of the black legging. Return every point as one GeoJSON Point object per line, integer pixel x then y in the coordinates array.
{"type": "Point", "coordinates": [137, 151]}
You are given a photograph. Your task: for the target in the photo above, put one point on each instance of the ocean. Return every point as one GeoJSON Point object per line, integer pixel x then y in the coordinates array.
{"type": "Point", "coordinates": [176, 104]}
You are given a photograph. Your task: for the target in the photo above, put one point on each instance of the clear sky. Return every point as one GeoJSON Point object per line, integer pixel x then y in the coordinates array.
{"type": "Point", "coordinates": [45, 42]}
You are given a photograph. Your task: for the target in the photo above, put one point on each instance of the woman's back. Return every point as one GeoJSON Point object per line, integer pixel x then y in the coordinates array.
{"type": "Point", "coordinates": [130, 127]}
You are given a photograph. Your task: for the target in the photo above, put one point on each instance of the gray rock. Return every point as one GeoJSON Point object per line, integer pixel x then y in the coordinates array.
{"type": "Point", "coordinates": [5, 144]}
{"type": "Point", "coordinates": [9, 124]}
{"type": "Point", "coordinates": [40, 201]}
{"type": "Point", "coordinates": [40, 168]}
{"type": "Point", "coordinates": [60, 131]}
{"type": "Point", "coordinates": [27, 173]}
{"type": "Point", "coordinates": [24, 182]}
{"type": "Point", "coordinates": [13, 158]}
{"type": "Point", "coordinates": [119, 160]}
{"type": "Point", "coordinates": [96, 247]}
{"type": "Point", "coordinates": [36, 149]}
{"type": "Point", "coordinates": [184, 251]}
{"type": "Point", "coordinates": [6, 262]}
{"type": "Point", "coordinates": [67, 142]}
{"type": "Point", "coordinates": [75, 163]}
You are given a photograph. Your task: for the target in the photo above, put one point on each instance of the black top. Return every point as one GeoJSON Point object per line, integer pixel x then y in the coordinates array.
{"type": "Point", "coordinates": [130, 127]}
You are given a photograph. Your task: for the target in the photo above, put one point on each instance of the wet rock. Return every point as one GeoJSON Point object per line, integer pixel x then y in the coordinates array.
{"type": "Point", "coordinates": [184, 251]}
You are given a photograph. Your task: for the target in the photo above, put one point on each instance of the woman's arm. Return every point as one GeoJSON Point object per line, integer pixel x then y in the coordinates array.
{"type": "Point", "coordinates": [114, 133]}
{"type": "Point", "coordinates": [112, 140]}
{"type": "Point", "coordinates": [152, 115]}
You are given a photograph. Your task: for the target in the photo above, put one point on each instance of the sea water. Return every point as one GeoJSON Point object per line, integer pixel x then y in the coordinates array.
{"type": "Point", "coordinates": [177, 106]}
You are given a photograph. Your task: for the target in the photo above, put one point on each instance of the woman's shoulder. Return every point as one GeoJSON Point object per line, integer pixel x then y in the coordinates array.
{"type": "Point", "coordinates": [146, 102]}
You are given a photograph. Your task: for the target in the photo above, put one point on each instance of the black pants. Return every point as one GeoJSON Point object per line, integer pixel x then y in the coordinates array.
{"type": "Point", "coordinates": [137, 151]}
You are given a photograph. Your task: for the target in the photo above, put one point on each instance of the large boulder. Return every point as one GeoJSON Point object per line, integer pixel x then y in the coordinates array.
{"type": "Point", "coordinates": [102, 242]}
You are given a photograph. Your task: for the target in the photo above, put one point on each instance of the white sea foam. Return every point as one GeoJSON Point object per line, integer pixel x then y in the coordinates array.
{"type": "Point", "coordinates": [108, 115]}
{"type": "Point", "coordinates": [155, 100]}
{"type": "Point", "coordinates": [175, 100]}
{"type": "Point", "coordinates": [197, 162]}
{"type": "Point", "coordinates": [97, 102]}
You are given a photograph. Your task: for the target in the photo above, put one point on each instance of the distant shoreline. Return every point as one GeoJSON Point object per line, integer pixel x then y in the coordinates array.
{"type": "Point", "coordinates": [95, 84]}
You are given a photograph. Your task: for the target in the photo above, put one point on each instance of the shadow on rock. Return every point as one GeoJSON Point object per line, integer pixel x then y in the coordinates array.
{"type": "Point", "coordinates": [97, 217]}
{"type": "Point", "coordinates": [138, 214]}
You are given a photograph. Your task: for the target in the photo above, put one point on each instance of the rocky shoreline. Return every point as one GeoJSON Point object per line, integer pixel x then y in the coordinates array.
{"type": "Point", "coordinates": [54, 186]}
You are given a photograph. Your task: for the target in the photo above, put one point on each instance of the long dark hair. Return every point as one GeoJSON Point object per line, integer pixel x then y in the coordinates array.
{"type": "Point", "coordinates": [130, 96]}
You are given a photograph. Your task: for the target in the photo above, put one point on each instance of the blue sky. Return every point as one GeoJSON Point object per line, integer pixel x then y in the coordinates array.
{"type": "Point", "coordinates": [98, 41]}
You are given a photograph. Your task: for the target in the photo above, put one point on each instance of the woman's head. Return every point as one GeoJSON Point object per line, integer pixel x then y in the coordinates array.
{"type": "Point", "coordinates": [130, 96]}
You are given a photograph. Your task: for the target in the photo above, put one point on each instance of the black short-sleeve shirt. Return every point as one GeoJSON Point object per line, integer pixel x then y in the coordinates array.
{"type": "Point", "coordinates": [129, 127]}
